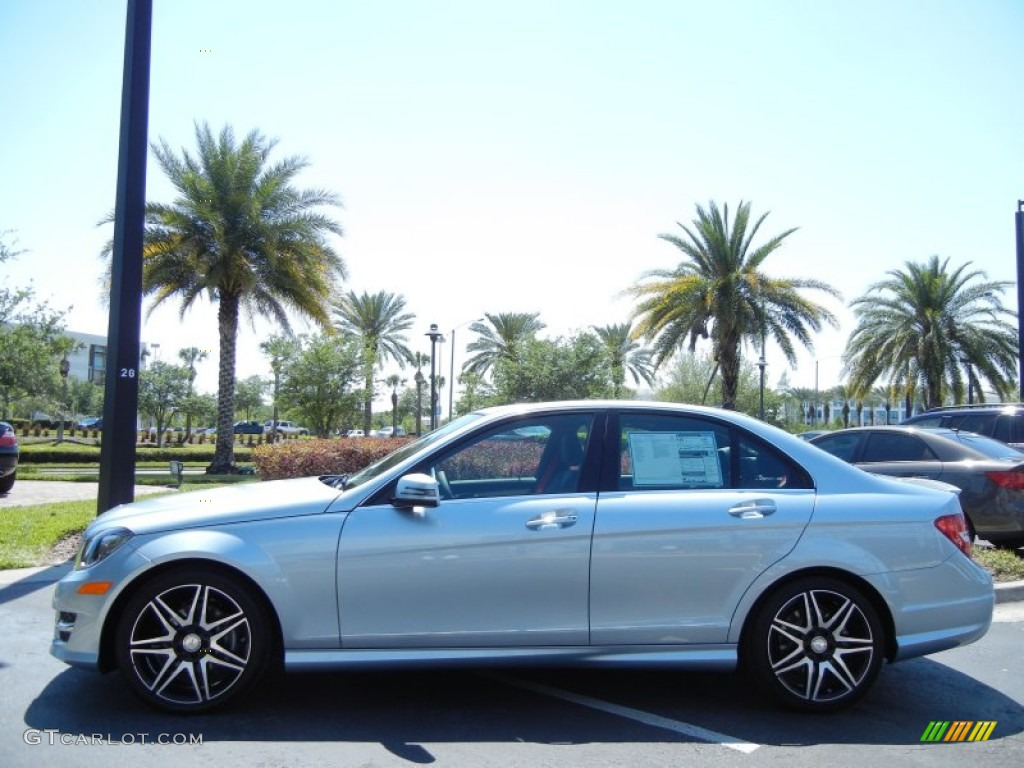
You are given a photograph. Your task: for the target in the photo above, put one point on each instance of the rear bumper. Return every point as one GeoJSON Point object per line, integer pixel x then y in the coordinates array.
{"type": "Point", "coordinates": [942, 607]}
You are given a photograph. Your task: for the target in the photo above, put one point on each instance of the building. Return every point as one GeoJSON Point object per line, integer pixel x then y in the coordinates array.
{"type": "Point", "coordinates": [88, 360]}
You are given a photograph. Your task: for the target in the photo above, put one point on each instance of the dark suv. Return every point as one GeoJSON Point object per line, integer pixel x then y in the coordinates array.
{"type": "Point", "coordinates": [1003, 421]}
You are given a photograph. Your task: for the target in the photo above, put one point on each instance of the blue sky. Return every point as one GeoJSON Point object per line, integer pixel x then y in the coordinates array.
{"type": "Point", "coordinates": [524, 157]}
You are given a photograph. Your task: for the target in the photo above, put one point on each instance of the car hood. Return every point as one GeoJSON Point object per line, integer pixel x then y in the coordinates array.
{"type": "Point", "coordinates": [219, 506]}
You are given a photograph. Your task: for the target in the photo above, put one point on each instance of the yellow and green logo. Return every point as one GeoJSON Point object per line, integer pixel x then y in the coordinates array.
{"type": "Point", "coordinates": [958, 730]}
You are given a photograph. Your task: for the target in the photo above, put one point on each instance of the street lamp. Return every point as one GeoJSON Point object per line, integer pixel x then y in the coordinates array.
{"type": "Point", "coordinates": [451, 372]}
{"type": "Point", "coordinates": [65, 368]}
{"type": "Point", "coordinates": [435, 335]}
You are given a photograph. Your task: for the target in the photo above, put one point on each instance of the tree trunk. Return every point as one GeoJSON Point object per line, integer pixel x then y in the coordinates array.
{"type": "Point", "coordinates": [370, 364]}
{"type": "Point", "coordinates": [729, 361]}
{"type": "Point", "coordinates": [224, 454]}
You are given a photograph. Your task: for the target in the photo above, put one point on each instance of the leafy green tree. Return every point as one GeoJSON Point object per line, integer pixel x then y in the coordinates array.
{"type": "Point", "coordinates": [31, 343]}
{"type": "Point", "coordinates": [625, 355]}
{"type": "Point", "coordinates": [687, 382]}
{"type": "Point", "coordinates": [553, 369]}
{"type": "Point", "coordinates": [240, 234]}
{"type": "Point", "coordinates": [200, 408]}
{"type": "Point", "coordinates": [720, 291]}
{"type": "Point", "coordinates": [85, 398]}
{"type": "Point", "coordinates": [931, 328]}
{"type": "Point", "coordinates": [321, 383]}
{"type": "Point", "coordinates": [500, 339]}
{"type": "Point", "coordinates": [282, 351]}
{"type": "Point", "coordinates": [249, 394]}
{"type": "Point", "coordinates": [162, 390]}
{"type": "Point", "coordinates": [379, 321]}
{"type": "Point", "coordinates": [476, 393]}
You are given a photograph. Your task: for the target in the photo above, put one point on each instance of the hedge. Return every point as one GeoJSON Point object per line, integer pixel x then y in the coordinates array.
{"type": "Point", "coordinates": [57, 455]}
{"type": "Point", "coordinates": [322, 457]}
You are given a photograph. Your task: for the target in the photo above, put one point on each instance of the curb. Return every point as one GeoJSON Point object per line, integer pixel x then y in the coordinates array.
{"type": "Point", "coordinates": [1009, 591]}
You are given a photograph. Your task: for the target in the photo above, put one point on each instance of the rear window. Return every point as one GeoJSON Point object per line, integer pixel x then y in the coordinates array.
{"type": "Point", "coordinates": [993, 449]}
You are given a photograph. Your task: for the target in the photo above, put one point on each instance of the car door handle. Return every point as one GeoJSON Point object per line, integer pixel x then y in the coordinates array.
{"type": "Point", "coordinates": [751, 509]}
{"type": "Point", "coordinates": [560, 518]}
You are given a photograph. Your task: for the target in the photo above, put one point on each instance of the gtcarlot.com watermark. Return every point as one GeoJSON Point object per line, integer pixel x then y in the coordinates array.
{"type": "Point", "coordinates": [52, 737]}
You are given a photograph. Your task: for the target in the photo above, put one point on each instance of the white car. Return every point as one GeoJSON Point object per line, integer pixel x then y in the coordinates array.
{"type": "Point", "coordinates": [285, 428]}
{"type": "Point", "coordinates": [355, 433]}
{"type": "Point", "coordinates": [387, 432]}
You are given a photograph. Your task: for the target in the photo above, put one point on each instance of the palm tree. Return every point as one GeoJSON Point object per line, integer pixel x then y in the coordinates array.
{"type": "Point", "coordinates": [625, 355]}
{"type": "Point", "coordinates": [719, 291]}
{"type": "Point", "coordinates": [379, 321]}
{"type": "Point", "coordinates": [190, 356]}
{"type": "Point", "coordinates": [924, 324]}
{"type": "Point", "coordinates": [501, 339]}
{"type": "Point", "coordinates": [242, 236]}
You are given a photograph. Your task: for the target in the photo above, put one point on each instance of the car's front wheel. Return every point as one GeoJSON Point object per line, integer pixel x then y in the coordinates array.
{"type": "Point", "coordinates": [816, 644]}
{"type": "Point", "coordinates": [193, 639]}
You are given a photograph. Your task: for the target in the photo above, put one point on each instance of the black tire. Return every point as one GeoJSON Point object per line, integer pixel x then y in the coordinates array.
{"type": "Point", "coordinates": [192, 639]}
{"type": "Point", "coordinates": [816, 645]}
{"type": "Point", "coordinates": [7, 483]}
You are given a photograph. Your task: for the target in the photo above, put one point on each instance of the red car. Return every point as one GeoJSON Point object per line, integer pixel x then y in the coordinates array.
{"type": "Point", "coordinates": [8, 457]}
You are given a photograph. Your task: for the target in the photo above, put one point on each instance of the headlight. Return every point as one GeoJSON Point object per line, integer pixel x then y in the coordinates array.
{"type": "Point", "coordinates": [99, 546]}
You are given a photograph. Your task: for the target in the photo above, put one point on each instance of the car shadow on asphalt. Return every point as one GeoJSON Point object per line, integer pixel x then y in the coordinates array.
{"type": "Point", "coordinates": [402, 710]}
{"type": "Point", "coordinates": [41, 579]}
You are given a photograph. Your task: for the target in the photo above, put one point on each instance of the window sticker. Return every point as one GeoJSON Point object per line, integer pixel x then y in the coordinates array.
{"type": "Point", "coordinates": [674, 459]}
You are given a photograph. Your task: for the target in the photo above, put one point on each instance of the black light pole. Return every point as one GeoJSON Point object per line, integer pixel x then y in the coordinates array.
{"type": "Point", "coordinates": [1020, 294]}
{"type": "Point", "coordinates": [434, 335]}
{"type": "Point", "coordinates": [451, 373]}
{"type": "Point", "coordinates": [121, 401]}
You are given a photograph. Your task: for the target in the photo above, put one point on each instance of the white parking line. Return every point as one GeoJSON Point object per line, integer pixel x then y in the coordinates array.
{"type": "Point", "coordinates": [676, 726]}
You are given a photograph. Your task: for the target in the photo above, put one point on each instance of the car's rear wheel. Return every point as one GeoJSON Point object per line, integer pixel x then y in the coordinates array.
{"type": "Point", "coordinates": [191, 640]}
{"type": "Point", "coordinates": [816, 644]}
{"type": "Point", "coordinates": [7, 483]}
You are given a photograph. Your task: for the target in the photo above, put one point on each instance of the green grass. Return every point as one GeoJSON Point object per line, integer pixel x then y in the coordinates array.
{"type": "Point", "coordinates": [28, 533]}
{"type": "Point", "coordinates": [1001, 563]}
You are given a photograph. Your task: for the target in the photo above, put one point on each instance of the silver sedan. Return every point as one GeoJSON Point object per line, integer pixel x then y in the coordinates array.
{"type": "Point", "coordinates": [590, 532]}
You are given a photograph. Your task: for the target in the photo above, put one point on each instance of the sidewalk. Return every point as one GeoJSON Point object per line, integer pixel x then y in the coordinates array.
{"type": "Point", "coordinates": [27, 492]}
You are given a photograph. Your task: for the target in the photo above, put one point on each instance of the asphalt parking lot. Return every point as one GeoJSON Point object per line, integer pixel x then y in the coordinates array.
{"type": "Point", "coordinates": [51, 714]}
{"type": "Point", "coordinates": [55, 715]}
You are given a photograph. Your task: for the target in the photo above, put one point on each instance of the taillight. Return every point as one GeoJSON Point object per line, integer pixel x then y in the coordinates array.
{"type": "Point", "coordinates": [8, 438]}
{"type": "Point", "coordinates": [954, 528]}
{"type": "Point", "coordinates": [1012, 480]}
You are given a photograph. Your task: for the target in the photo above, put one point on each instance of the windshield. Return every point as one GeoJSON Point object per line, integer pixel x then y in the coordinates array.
{"type": "Point", "coordinates": [397, 457]}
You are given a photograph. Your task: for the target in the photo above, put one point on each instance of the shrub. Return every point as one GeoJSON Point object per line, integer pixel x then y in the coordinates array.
{"type": "Point", "coordinates": [81, 454]}
{"type": "Point", "coordinates": [303, 458]}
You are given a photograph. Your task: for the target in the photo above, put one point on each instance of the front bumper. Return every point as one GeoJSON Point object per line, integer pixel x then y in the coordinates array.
{"type": "Point", "coordinates": [80, 619]}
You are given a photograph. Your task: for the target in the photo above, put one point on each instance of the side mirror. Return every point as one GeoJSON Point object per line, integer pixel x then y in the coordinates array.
{"type": "Point", "coordinates": [416, 490]}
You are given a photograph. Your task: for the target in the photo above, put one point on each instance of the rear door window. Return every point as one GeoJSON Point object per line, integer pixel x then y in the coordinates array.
{"type": "Point", "coordinates": [895, 446]}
